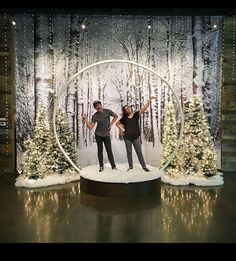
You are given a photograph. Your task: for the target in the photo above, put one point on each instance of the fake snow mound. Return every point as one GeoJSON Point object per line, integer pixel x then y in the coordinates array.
{"type": "Point", "coordinates": [216, 180]}
{"type": "Point", "coordinates": [50, 180]}
{"type": "Point", "coordinates": [137, 174]}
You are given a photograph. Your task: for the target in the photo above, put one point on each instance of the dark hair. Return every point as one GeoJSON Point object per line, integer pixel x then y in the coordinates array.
{"type": "Point", "coordinates": [95, 103]}
{"type": "Point", "coordinates": [123, 110]}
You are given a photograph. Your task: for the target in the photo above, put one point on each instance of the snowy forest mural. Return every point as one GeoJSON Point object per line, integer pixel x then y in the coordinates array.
{"type": "Point", "coordinates": [51, 48]}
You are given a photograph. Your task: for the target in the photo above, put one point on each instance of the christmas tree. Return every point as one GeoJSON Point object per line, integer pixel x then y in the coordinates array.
{"type": "Point", "coordinates": [43, 156]}
{"type": "Point", "coordinates": [197, 150]}
{"type": "Point", "coordinates": [169, 137]}
{"type": "Point", "coordinates": [59, 162]}
{"type": "Point", "coordinates": [36, 159]}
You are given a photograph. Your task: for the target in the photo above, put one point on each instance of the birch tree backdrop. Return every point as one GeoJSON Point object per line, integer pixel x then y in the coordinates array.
{"type": "Point", "coordinates": [51, 48]}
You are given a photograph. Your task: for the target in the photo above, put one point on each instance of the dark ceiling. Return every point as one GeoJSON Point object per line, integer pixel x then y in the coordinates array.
{"type": "Point", "coordinates": [125, 11]}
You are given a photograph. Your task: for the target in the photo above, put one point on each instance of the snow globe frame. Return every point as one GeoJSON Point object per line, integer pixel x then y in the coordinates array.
{"type": "Point", "coordinates": [62, 88]}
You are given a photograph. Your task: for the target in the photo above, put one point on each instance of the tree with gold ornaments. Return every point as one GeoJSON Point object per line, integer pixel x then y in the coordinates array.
{"type": "Point", "coordinates": [170, 136]}
{"type": "Point", "coordinates": [197, 150]}
{"type": "Point", "coordinates": [59, 162]}
{"type": "Point", "coordinates": [36, 159]}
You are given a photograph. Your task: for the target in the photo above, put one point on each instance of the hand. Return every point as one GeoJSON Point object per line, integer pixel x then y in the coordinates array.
{"type": "Point", "coordinates": [84, 116]}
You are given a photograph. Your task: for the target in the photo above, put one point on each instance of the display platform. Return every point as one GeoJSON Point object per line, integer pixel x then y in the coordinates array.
{"type": "Point", "coordinates": [121, 183]}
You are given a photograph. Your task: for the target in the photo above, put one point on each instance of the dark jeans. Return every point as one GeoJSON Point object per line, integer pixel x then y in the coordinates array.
{"type": "Point", "coordinates": [107, 142]}
{"type": "Point", "coordinates": [138, 149]}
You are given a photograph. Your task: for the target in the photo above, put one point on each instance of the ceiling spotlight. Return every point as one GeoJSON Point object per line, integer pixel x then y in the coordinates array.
{"type": "Point", "coordinates": [214, 26]}
{"type": "Point", "coordinates": [149, 26]}
{"type": "Point", "coordinates": [13, 22]}
{"type": "Point", "coordinates": [83, 26]}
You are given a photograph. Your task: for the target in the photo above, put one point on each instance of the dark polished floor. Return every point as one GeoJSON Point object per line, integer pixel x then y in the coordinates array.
{"type": "Point", "coordinates": [64, 214]}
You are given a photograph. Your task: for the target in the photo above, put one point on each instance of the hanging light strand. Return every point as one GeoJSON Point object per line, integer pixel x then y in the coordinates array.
{"type": "Point", "coordinates": [51, 47]}
{"type": "Point", "coordinates": [6, 50]}
{"type": "Point", "coordinates": [96, 42]}
{"type": "Point", "coordinates": [105, 36]}
{"type": "Point", "coordinates": [25, 49]}
{"type": "Point", "coordinates": [112, 40]}
{"type": "Point", "coordinates": [87, 42]}
{"type": "Point", "coordinates": [234, 48]}
{"type": "Point", "coordinates": [119, 27]}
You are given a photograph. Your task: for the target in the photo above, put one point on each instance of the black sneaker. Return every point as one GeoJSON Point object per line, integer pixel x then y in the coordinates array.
{"type": "Point", "coordinates": [146, 169]}
{"type": "Point", "coordinates": [129, 169]}
{"type": "Point", "coordinates": [101, 169]}
{"type": "Point", "coordinates": [114, 168]}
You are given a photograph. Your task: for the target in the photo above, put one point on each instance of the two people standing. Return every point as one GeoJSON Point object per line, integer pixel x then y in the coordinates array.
{"type": "Point", "coordinates": [129, 123]}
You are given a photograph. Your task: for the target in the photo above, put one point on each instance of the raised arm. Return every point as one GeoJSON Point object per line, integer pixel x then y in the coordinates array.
{"type": "Point", "coordinates": [89, 124]}
{"type": "Point", "coordinates": [115, 117]}
{"type": "Point", "coordinates": [143, 109]}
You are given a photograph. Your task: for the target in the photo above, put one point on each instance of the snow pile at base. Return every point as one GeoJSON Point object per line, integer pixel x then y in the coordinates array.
{"type": "Point", "coordinates": [193, 180]}
{"type": "Point", "coordinates": [54, 179]}
{"type": "Point", "coordinates": [137, 174]}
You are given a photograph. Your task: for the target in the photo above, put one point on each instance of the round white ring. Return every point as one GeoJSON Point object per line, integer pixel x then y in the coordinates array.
{"type": "Point", "coordinates": [61, 89]}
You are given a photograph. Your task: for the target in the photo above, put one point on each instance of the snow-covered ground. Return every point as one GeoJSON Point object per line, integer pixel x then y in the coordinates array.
{"type": "Point", "coordinates": [194, 180]}
{"type": "Point", "coordinates": [137, 174]}
{"type": "Point", "coordinates": [50, 180]}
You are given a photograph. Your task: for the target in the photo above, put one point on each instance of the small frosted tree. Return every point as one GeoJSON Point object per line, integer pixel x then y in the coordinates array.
{"type": "Point", "coordinates": [197, 149]}
{"type": "Point", "coordinates": [169, 137]}
{"type": "Point", "coordinates": [43, 156]}
{"type": "Point", "coordinates": [59, 162]}
{"type": "Point", "coordinates": [36, 159]}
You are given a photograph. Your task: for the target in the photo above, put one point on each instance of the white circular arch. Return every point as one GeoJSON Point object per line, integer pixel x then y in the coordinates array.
{"type": "Point", "coordinates": [62, 88]}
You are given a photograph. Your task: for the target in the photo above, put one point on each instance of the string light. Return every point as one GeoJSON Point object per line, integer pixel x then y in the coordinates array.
{"type": "Point", "coordinates": [119, 27]}
{"type": "Point", "coordinates": [96, 45]}
{"type": "Point", "coordinates": [16, 61]}
{"type": "Point", "coordinates": [53, 56]}
{"type": "Point", "coordinates": [183, 72]}
{"type": "Point", "coordinates": [60, 41]}
{"type": "Point", "coordinates": [221, 80]}
{"type": "Point", "coordinates": [234, 48]}
{"type": "Point", "coordinates": [33, 64]}
{"type": "Point", "coordinates": [25, 49]}
{"type": "Point", "coordinates": [6, 49]}
{"type": "Point", "coordinates": [105, 37]}
{"type": "Point", "coordinates": [112, 38]}
{"type": "Point", "coordinates": [87, 43]}
{"type": "Point", "coordinates": [218, 90]}
{"type": "Point", "coordinates": [41, 55]}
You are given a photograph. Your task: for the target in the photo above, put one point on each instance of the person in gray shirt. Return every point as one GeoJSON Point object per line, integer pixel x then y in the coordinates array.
{"type": "Point", "coordinates": [102, 132]}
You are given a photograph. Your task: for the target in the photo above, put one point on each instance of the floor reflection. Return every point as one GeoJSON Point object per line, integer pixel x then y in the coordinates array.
{"type": "Point", "coordinates": [187, 212]}
{"type": "Point", "coordinates": [65, 214]}
{"type": "Point", "coordinates": [119, 220]}
{"type": "Point", "coordinates": [45, 207]}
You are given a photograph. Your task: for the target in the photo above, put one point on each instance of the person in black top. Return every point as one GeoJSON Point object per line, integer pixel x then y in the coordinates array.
{"type": "Point", "coordinates": [102, 132]}
{"type": "Point", "coordinates": [129, 124]}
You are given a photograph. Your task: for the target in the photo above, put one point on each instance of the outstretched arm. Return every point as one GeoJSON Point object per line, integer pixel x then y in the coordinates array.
{"type": "Point", "coordinates": [143, 109]}
{"type": "Point", "coordinates": [89, 124]}
{"type": "Point", "coordinates": [115, 116]}
{"type": "Point", "coordinates": [119, 125]}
